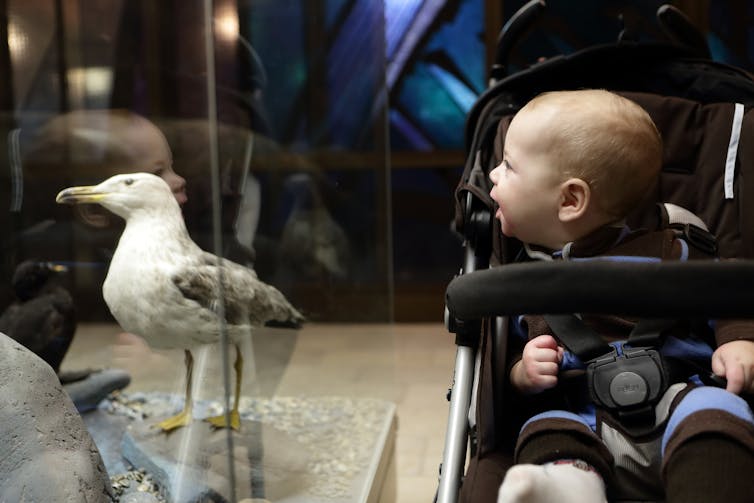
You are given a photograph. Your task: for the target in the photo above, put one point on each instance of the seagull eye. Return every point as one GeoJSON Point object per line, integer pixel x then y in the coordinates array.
{"type": "Point", "coordinates": [128, 181]}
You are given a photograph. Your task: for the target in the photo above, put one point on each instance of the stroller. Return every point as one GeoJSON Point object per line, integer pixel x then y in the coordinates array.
{"type": "Point", "coordinates": [702, 111]}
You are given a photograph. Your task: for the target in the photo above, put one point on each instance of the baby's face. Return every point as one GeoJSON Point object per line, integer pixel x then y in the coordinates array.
{"type": "Point", "coordinates": [163, 167]}
{"type": "Point", "coordinates": [152, 155]}
{"type": "Point", "coordinates": [526, 186]}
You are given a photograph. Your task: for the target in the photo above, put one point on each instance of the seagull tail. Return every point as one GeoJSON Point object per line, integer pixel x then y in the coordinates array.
{"type": "Point", "coordinates": [290, 319]}
{"type": "Point", "coordinates": [292, 323]}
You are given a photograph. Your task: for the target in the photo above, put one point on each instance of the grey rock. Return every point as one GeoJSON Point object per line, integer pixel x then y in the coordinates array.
{"type": "Point", "coordinates": [139, 497]}
{"type": "Point", "coordinates": [268, 463]}
{"type": "Point", "coordinates": [88, 392]}
{"type": "Point", "coordinates": [46, 452]}
{"type": "Point", "coordinates": [107, 431]}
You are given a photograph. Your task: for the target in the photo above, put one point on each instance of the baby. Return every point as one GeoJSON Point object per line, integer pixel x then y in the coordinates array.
{"type": "Point", "coordinates": [575, 163]}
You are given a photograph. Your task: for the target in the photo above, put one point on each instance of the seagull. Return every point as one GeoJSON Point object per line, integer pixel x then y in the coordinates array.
{"type": "Point", "coordinates": [43, 316]}
{"type": "Point", "coordinates": [312, 242]}
{"type": "Point", "coordinates": [164, 287]}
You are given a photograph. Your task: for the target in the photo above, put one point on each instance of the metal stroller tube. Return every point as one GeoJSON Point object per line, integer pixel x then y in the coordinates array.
{"type": "Point", "coordinates": [467, 340]}
{"type": "Point", "coordinates": [512, 31]}
{"type": "Point", "coordinates": [454, 456]}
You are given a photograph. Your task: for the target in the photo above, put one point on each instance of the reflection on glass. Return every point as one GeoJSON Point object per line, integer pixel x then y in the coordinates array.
{"type": "Point", "coordinates": [300, 204]}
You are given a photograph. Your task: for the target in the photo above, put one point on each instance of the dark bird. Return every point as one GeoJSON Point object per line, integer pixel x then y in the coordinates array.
{"type": "Point", "coordinates": [43, 317]}
{"type": "Point", "coordinates": [162, 286]}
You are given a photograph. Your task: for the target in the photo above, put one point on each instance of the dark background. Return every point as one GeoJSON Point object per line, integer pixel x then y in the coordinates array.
{"type": "Point", "coordinates": [386, 164]}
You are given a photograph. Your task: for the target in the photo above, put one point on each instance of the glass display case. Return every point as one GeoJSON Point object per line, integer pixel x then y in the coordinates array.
{"type": "Point", "coordinates": [267, 123]}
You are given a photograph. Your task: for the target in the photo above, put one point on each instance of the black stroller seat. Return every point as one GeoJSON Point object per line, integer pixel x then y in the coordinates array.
{"type": "Point", "coordinates": [702, 109]}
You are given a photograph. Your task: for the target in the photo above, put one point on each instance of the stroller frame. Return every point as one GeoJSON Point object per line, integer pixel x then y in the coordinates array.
{"type": "Point", "coordinates": [719, 289]}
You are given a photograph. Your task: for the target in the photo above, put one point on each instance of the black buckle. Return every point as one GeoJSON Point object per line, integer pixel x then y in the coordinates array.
{"type": "Point", "coordinates": [628, 384]}
{"type": "Point", "coordinates": [701, 239]}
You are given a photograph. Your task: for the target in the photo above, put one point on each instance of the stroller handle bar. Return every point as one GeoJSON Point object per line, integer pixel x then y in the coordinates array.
{"type": "Point", "coordinates": [512, 31]}
{"type": "Point", "coordinates": [723, 289]}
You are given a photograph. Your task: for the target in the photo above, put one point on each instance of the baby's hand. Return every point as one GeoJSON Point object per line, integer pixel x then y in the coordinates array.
{"type": "Point", "coordinates": [734, 360]}
{"type": "Point", "coordinates": [538, 368]}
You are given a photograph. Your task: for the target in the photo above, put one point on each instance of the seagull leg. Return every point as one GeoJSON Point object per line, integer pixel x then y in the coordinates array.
{"type": "Point", "coordinates": [183, 418]}
{"type": "Point", "coordinates": [235, 419]}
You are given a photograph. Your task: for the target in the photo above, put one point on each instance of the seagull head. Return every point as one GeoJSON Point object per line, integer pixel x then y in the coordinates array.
{"type": "Point", "coordinates": [124, 195]}
{"type": "Point", "coordinates": [303, 189]}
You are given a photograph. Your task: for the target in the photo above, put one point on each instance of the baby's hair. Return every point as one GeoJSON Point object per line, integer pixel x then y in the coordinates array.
{"type": "Point", "coordinates": [93, 144]}
{"type": "Point", "coordinates": [606, 140]}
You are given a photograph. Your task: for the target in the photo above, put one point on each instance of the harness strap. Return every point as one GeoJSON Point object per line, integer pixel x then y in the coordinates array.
{"type": "Point", "coordinates": [584, 342]}
{"type": "Point", "coordinates": [649, 332]}
{"type": "Point", "coordinates": [575, 335]}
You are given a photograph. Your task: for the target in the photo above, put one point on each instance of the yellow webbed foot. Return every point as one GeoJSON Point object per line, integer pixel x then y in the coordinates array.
{"type": "Point", "coordinates": [181, 419]}
{"type": "Point", "coordinates": [220, 422]}
{"type": "Point", "coordinates": [235, 420]}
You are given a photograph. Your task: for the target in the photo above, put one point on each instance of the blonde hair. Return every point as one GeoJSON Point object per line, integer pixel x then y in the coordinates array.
{"type": "Point", "coordinates": [606, 140]}
{"type": "Point", "coordinates": [91, 145]}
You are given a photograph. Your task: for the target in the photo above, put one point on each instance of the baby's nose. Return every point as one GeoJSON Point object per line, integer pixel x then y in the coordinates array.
{"type": "Point", "coordinates": [177, 182]}
{"type": "Point", "coordinates": [494, 174]}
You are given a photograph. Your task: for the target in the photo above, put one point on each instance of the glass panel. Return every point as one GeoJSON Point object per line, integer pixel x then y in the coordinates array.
{"type": "Point", "coordinates": [436, 69]}
{"type": "Point", "coordinates": [436, 60]}
{"type": "Point", "coordinates": [267, 121]}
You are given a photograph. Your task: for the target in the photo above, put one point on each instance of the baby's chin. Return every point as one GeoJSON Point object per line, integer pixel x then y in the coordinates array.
{"type": "Point", "coordinates": [505, 226]}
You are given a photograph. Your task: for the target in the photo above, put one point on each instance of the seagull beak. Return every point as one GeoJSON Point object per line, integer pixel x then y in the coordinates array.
{"type": "Point", "coordinates": [75, 195]}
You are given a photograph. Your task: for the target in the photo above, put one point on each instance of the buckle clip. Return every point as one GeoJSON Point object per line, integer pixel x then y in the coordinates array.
{"type": "Point", "coordinates": [629, 382]}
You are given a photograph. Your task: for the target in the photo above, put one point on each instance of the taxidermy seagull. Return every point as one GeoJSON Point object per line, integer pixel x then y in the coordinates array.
{"type": "Point", "coordinates": [162, 286]}
{"type": "Point", "coordinates": [43, 316]}
{"type": "Point", "coordinates": [312, 242]}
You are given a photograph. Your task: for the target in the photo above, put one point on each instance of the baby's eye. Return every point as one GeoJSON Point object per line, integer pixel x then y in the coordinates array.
{"type": "Point", "coordinates": [505, 165]}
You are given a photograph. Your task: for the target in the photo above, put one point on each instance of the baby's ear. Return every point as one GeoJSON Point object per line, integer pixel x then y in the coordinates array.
{"type": "Point", "coordinates": [575, 197]}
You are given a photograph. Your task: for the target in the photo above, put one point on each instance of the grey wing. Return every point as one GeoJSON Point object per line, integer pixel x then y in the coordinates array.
{"type": "Point", "coordinates": [246, 299]}
{"type": "Point", "coordinates": [213, 260]}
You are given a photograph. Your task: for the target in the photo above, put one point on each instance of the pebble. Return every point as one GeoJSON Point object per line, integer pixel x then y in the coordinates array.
{"type": "Point", "coordinates": [128, 487]}
{"type": "Point", "coordinates": [339, 433]}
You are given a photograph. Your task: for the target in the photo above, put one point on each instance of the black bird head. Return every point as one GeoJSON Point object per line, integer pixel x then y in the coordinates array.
{"type": "Point", "coordinates": [31, 276]}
